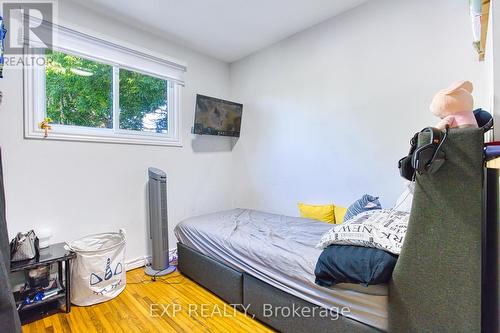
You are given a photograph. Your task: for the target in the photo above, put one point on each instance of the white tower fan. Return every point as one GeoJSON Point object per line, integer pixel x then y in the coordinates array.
{"type": "Point", "coordinates": [158, 223]}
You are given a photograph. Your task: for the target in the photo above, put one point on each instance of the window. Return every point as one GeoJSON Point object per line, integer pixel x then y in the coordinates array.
{"type": "Point", "coordinates": [81, 92]}
{"type": "Point", "coordinates": [133, 98]}
{"type": "Point", "coordinates": [78, 92]}
{"type": "Point", "coordinates": [143, 102]}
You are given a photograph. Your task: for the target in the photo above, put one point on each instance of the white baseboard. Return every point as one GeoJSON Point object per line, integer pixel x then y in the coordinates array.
{"type": "Point", "coordinates": [145, 260]}
{"type": "Point", "coordinates": [135, 263]}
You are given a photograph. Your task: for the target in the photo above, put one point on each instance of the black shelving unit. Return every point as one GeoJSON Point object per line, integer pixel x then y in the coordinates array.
{"type": "Point", "coordinates": [54, 254]}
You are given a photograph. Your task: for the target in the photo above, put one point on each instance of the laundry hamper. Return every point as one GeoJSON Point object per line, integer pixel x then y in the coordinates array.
{"type": "Point", "coordinates": [98, 271]}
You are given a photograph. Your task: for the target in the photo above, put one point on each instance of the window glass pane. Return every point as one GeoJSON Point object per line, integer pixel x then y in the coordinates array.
{"type": "Point", "coordinates": [78, 91]}
{"type": "Point", "coordinates": [143, 102]}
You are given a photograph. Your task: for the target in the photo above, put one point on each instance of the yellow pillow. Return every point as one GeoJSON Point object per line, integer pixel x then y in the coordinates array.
{"type": "Point", "coordinates": [323, 213]}
{"type": "Point", "coordinates": [339, 214]}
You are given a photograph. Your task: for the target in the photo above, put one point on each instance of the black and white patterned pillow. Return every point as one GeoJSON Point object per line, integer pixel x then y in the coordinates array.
{"type": "Point", "coordinates": [382, 229]}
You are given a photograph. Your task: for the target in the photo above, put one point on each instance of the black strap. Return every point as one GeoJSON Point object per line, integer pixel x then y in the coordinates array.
{"type": "Point", "coordinates": [438, 149]}
{"type": "Point", "coordinates": [409, 164]}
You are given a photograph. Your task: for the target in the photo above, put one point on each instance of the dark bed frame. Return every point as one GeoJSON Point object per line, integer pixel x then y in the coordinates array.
{"type": "Point", "coordinates": [235, 287]}
{"type": "Point", "coordinates": [437, 282]}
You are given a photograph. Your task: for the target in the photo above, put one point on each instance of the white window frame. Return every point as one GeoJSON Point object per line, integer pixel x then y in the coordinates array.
{"type": "Point", "coordinates": [35, 101]}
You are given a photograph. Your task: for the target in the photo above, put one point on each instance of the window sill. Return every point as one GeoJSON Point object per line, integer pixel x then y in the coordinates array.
{"type": "Point", "coordinates": [150, 140]}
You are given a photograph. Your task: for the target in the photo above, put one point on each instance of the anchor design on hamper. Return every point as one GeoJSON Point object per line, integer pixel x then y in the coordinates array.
{"type": "Point", "coordinates": [108, 273]}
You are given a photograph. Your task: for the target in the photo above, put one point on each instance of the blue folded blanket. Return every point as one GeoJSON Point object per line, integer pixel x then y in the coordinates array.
{"type": "Point", "coordinates": [354, 264]}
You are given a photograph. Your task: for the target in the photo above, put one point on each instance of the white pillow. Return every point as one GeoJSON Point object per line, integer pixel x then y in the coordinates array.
{"type": "Point", "coordinates": [403, 204]}
{"type": "Point", "coordinates": [382, 229]}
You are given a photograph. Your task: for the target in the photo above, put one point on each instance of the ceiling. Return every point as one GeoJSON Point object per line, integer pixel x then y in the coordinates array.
{"type": "Point", "coordinates": [225, 29]}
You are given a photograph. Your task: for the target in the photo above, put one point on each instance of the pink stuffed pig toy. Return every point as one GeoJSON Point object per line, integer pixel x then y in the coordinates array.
{"type": "Point", "coordinates": [454, 106]}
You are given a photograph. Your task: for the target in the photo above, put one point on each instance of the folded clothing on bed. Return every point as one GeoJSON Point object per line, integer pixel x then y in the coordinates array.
{"type": "Point", "coordinates": [364, 204]}
{"type": "Point", "coordinates": [353, 264]}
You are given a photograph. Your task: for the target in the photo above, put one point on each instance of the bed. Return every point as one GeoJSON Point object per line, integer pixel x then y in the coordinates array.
{"type": "Point", "coordinates": [280, 251]}
{"type": "Point", "coordinates": [254, 258]}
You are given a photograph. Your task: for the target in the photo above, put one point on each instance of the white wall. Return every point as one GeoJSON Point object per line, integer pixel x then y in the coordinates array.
{"type": "Point", "coordinates": [329, 111]}
{"type": "Point", "coordinates": [493, 63]}
{"type": "Point", "coordinates": [82, 188]}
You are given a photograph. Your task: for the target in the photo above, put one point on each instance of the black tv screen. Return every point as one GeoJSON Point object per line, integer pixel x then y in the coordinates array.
{"type": "Point", "coordinates": [214, 116]}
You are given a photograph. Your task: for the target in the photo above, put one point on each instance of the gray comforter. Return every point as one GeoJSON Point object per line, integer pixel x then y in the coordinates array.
{"type": "Point", "coordinates": [280, 250]}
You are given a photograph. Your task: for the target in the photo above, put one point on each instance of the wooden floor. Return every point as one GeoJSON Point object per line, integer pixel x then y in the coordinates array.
{"type": "Point", "coordinates": [147, 306]}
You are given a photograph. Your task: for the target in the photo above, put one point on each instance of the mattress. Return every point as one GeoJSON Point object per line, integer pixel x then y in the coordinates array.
{"type": "Point", "coordinates": [280, 250]}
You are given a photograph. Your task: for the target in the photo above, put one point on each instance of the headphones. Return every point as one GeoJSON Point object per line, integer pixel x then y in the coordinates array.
{"type": "Point", "coordinates": [427, 158]}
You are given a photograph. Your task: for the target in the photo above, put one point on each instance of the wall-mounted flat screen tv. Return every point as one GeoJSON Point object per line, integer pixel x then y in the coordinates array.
{"type": "Point", "coordinates": [214, 116]}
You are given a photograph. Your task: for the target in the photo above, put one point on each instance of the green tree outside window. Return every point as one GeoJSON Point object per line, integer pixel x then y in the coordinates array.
{"type": "Point", "coordinates": [79, 92]}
